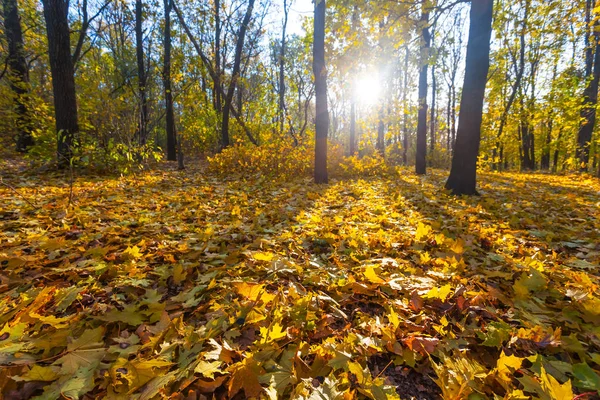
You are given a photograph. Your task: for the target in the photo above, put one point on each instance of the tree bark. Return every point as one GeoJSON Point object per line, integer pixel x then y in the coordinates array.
{"type": "Point", "coordinates": [421, 161]}
{"type": "Point", "coordinates": [432, 124]}
{"type": "Point", "coordinates": [497, 152]}
{"type": "Point", "coordinates": [18, 73]}
{"type": "Point", "coordinates": [590, 95]}
{"type": "Point", "coordinates": [217, 80]}
{"type": "Point", "coordinates": [405, 108]}
{"type": "Point", "coordinates": [169, 117]}
{"type": "Point", "coordinates": [142, 81]}
{"type": "Point", "coordinates": [63, 79]}
{"type": "Point", "coordinates": [463, 173]}
{"type": "Point", "coordinates": [282, 69]}
{"type": "Point", "coordinates": [322, 113]}
{"type": "Point", "coordinates": [239, 47]}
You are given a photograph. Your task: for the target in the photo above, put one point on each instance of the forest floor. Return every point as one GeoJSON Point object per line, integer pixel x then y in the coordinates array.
{"type": "Point", "coordinates": [185, 284]}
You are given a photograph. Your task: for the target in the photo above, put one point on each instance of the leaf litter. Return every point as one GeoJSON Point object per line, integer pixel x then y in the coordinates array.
{"type": "Point", "coordinates": [188, 286]}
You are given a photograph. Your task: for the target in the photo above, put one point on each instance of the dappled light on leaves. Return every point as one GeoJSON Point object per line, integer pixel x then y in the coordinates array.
{"type": "Point", "coordinates": [371, 287]}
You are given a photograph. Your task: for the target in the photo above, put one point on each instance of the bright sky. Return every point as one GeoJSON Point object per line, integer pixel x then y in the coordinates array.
{"type": "Point", "coordinates": [299, 9]}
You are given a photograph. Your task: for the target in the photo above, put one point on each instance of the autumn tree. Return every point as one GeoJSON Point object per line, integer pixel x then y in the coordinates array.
{"type": "Point", "coordinates": [463, 173]}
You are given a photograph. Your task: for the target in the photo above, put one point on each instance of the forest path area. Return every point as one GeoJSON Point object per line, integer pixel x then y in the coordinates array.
{"type": "Point", "coordinates": [182, 282]}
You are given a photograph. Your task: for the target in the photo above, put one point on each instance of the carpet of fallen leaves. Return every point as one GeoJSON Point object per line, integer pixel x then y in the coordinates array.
{"type": "Point", "coordinates": [183, 285]}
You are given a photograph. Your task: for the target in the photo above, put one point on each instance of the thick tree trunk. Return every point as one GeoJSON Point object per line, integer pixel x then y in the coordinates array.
{"type": "Point", "coordinates": [405, 108]}
{"type": "Point", "coordinates": [239, 47]}
{"type": "Point", "coordinates": [63, 79]}
{"type": "Point", "coordinates": [142, 81]}
{"type": "Point", "coordinates": [590, 99]}
{"type": "Point", "coordinates": [18, 73]}
{"type": "Point", "coordinates": [421, 161]}
{"type": "Point", "coordinates": [463, 174]}
{"type": "Point", "coordinates": [321, 111]}
{"type": "Point", "coordinates": [170, 116]}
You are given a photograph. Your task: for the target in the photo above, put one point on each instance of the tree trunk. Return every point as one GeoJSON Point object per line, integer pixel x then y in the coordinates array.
{"type": "Point", "coordinates": [405, 108]}
{"type": "Point", "coordinates": [18, 73]}
{"type": "Point", "coordinates": [590, 97]}
{"type": "Point", "coordinates": [421, 161]}
{"type": "Point", "coordinates": [239, 47]}
{"type": "Point", "coordinates": [142, 81]}
{"type": "Point", "coordinates": [282, 69]}
{"type": "Point", "coordinates": [169, 117]}
{"type": "Point", "coordinates": [63, 79]}
{"type": "Point", "coordinates": [217, 80]}
{"type": "Point", "coordinates": [463, 174]}
{"type": "Point", "coordinates": [381, 132]}
{"type": "Point", "coordinates": [520, 69]}
{"type": "Point", "coordinates": [352, 126]}
{"type": "Point", "coordinates": [433, 105]}
{"type": "Point", "coordinates": [321, 111]}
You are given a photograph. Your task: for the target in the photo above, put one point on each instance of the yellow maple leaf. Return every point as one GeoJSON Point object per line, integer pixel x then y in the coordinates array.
{"type": "Point", "coordinates": [132, 252]}
{"type": "Point", "coordinates": [441, 293]}
{"type": "Point", "coordinates": [372, 276]}
{"type": "Point", "coordinates": [208, 369]}
{"type": "Point", "coordinates": [244, 376]}
{"type": "Point", "coordinates": [554, 388]}
{"type": "Point", "coordinates": [422, 231]}
{"type": "Point", "coordinates": [274, 333]}
{"type": "Point", "coordinates": [506, 366]}
{"type": "Point", "coordinates": [263, 256]}
{"type": "Point", "coordinates": [253, 291]}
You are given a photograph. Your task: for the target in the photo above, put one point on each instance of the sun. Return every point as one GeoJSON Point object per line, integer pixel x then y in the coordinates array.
{"type": "Point", "coordinates": [367, 90]}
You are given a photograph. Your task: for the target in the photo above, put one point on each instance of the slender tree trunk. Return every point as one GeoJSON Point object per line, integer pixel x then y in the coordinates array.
{"type": "Point", "coordinates": [217, 80]}
{"type": "Point", "coordinates": [381, 132]}
{"type": "Point", "coordinates": [142, 81]}
{"type": "Point", "coordinates": [321, 111]}
{"type": "Point", "coordinates": [239, 47]}
{"type": "Point", "coordinates": [352, 126]}
{"type": "Point", "coordinates": [590, 96]}
{"type": "Point", "coordinates": [18, 73]}
{"type": "Point", "coordinates": [421, 161]}
{"type": "Point", "coordinates": [170, 117]}
{"type": "Point", "coordinates": [63, 79]}
{"type": "Point", "coordinates": [405, 108]}
{"type": "Point", "coordinates": [520, 69]}
{"type": "Point", "coordinates": [432, 124]}
{"type": "Point", "coordinates": [556, 152]}
{"type": "Point", "coordinates": [463, 174]}
{"type": "Point", "coordinates": [282, 69]}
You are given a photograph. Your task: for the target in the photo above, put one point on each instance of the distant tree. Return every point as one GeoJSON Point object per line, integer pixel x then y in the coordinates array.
{"type": "Point", "coordinates": [63, 79]}
{"type": "Point", "coordinates": [18, 72]}
{"type": "Point", "coordinates": [322, 113]}
{"type": "Point", "coordinates": [463, 173]}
